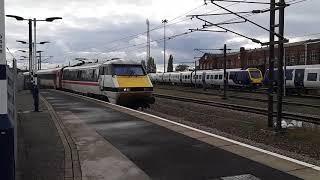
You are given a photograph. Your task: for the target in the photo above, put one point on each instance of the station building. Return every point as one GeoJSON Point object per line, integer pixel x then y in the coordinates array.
{"type": "Point", "coordinates": [295, 54]}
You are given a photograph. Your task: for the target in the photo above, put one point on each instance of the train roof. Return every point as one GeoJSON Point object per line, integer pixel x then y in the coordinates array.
{"type": "Point", "coordinates": [84, 66]}
{"type": "Point", "coordinates": [121, 61]}
{"type": "Point", "coordinates": [48, 70]}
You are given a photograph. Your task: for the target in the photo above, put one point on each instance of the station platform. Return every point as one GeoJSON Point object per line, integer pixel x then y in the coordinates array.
{"type": "Point", "coordinates": [107, 141]}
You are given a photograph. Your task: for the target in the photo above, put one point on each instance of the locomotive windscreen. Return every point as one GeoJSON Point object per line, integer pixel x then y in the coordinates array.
{"type": "Point", "coordinates": [129, 70]}
{"type": "Point", "coordinates": [255, 74]}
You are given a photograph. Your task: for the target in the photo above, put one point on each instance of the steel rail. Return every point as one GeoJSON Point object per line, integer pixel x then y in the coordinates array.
{"type": "Point", "coordinates": [314, 119]}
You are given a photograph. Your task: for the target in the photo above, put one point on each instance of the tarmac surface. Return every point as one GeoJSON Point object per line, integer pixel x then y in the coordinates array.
{"type": "Point", "coordinates": [40, 150]}
{"type": "Point", "coordinates": [159, 152]}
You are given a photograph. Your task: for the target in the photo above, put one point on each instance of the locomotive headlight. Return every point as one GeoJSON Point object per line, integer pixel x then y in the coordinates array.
{"type": "Point", "coordinates": [126, 89]}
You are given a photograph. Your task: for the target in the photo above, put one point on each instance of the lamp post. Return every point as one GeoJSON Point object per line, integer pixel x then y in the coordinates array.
{"type": "Point", "coordinates": [35, 62]}
{"type": "Point", "coordinates": [24, 42]}
{"type": "Point", "coordinates": [22, 51]}
{"type": "Point", "coordinates": [39, 60]}
{"type": "Point", "coordinates": [32, 53]}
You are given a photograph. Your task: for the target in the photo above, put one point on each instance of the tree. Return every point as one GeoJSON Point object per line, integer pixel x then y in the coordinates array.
{"type": "Point", "coordinates": [151, 66]}
{"type": "Point", "coordinates": [182, 67]}
{"type": "Point", "coordinates": [143, 62]}
{"type": "Point", "coordinates": [170, 64]}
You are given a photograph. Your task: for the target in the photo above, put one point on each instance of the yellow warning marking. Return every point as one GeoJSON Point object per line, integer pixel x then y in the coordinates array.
{"type": "Point", "coordinates": [133, 81]}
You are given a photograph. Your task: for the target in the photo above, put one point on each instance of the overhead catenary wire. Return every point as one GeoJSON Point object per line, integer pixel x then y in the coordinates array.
{"type": "Point", "coordinates": [171, 37]}
{"type": "Point", "coordinates": [178, 35]}
{"type": "Point", "coordinates": [161, 26]}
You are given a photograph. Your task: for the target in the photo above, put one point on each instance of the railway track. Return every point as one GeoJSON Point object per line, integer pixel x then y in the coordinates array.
{"type": "Point", "coordinates": [314, 119]}
{"type": "Point", "coordinates": [290, 103]}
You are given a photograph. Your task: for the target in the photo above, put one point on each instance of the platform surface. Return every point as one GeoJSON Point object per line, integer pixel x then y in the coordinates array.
{"type": "Point", "coordinates": [158, 151]}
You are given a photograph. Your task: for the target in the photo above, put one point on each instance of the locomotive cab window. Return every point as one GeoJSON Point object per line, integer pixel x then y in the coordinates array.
{"type": "Point", "coordinates": [255, 74]}
{"type": "Point", "coordinates": [128, 70]}
{"type": "Point", "coordinates": [312, 77]}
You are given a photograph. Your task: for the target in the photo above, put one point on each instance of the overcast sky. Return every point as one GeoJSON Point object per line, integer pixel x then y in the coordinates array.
{"type": "Point", "coordinates": [97, 28]}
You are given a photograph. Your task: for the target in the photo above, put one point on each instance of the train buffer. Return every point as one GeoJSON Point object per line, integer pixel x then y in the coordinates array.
{"type": "Point", "coordinates": [105, 141]}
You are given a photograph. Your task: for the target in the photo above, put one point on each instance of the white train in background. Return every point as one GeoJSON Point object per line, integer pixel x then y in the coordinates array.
{"type": "Point", "coordinates": [297, 77]}
{"type": "Point", "coordinates": [250, 77]}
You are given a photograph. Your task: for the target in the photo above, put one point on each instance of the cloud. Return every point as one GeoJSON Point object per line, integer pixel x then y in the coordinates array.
{"type": "Point", "coordinates": [93, 28]}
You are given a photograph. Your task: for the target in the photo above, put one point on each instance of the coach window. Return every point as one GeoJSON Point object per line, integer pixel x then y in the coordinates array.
{"type": "Point", "coordinates": [216, 76]}
{"type": "Point", "coordinates": [101, 70]}
{"type": "Point", "coordinates": [312, 77]}
{"type": "Point", "coordinates": [208, 76]}
{"type": "Point", "coordinates": [79, 75]}
{"type": "Point", "coordinates": [220, 76]}
{"type": "Point", "coordinates": [211, 77]}
{"type": "Point", "coordinates": [93, 75]}
{"type": "Point", "coordinates": [289, 74]}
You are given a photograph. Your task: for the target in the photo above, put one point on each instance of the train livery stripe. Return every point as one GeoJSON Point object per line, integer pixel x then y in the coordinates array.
{"type": "Point", "coordinates": [133, 81]}
{"type": "Point", "coordinates": [86, 83]}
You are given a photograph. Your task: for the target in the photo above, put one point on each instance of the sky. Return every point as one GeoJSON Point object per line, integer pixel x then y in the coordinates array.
{"type": "Point", "coordinates": [104, 29]}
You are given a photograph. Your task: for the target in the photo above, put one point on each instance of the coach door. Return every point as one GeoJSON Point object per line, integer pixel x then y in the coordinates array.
{"type": "Point", "coordinates": [298, 78]}
{"type": "Point", "coordinates": [57, 82]}
{"type": "Point", "coordinates": [101, 77]}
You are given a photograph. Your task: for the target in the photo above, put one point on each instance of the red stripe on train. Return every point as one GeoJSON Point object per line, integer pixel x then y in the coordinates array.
{"type": "Point", "coordinates": [81, 83]}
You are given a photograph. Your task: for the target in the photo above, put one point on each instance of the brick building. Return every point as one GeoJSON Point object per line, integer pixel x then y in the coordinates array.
{"type": "Point", "coordinates": [294, 55]}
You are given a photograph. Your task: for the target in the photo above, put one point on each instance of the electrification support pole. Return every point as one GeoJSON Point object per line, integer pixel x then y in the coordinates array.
{"type": "Point", "coordinates": [284, 73]}
{"type": "Point", "coordinates": [271, 62]}
{"type": "Point", "coordinates": [35, 46]}
{"type": "Point", "coordinates": [225, 71]}
{"type": "Point", "coordinates": [30, 45]}
{"type": "Point", "coordinates": [280, 64]}
{"type": "Point", "coordinates": [7, 159]}
{"type": "Point", "coordinates": [164, 44]}
{"type": "Point", "coordinates": [195, 74]}
{"type": "Point", "coordinates": [148, 40]}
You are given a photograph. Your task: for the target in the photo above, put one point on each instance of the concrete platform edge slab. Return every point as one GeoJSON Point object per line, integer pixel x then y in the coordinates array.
{"type": "Point", "coordinates": [72, 164]}
{"type": "Point", "coordinates": [98, 159]}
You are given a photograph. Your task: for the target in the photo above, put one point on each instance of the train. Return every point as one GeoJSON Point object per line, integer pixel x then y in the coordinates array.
{"type": "Point", "coordinates": [118, 81]}
{"type": "Point", "coordinates": [249, 77]}
{"type": "Point", "coordinates": [298, 78]}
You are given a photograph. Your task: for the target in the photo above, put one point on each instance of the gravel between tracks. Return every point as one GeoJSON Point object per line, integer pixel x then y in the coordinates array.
{"type": "Point", "coordinates": [302, 143]}
{"type": "Point", "coordinates": [246, 102]}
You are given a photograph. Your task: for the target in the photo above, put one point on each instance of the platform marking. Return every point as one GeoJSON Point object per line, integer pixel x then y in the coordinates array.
{"type": "Point", "coordinates": [208, 133]}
